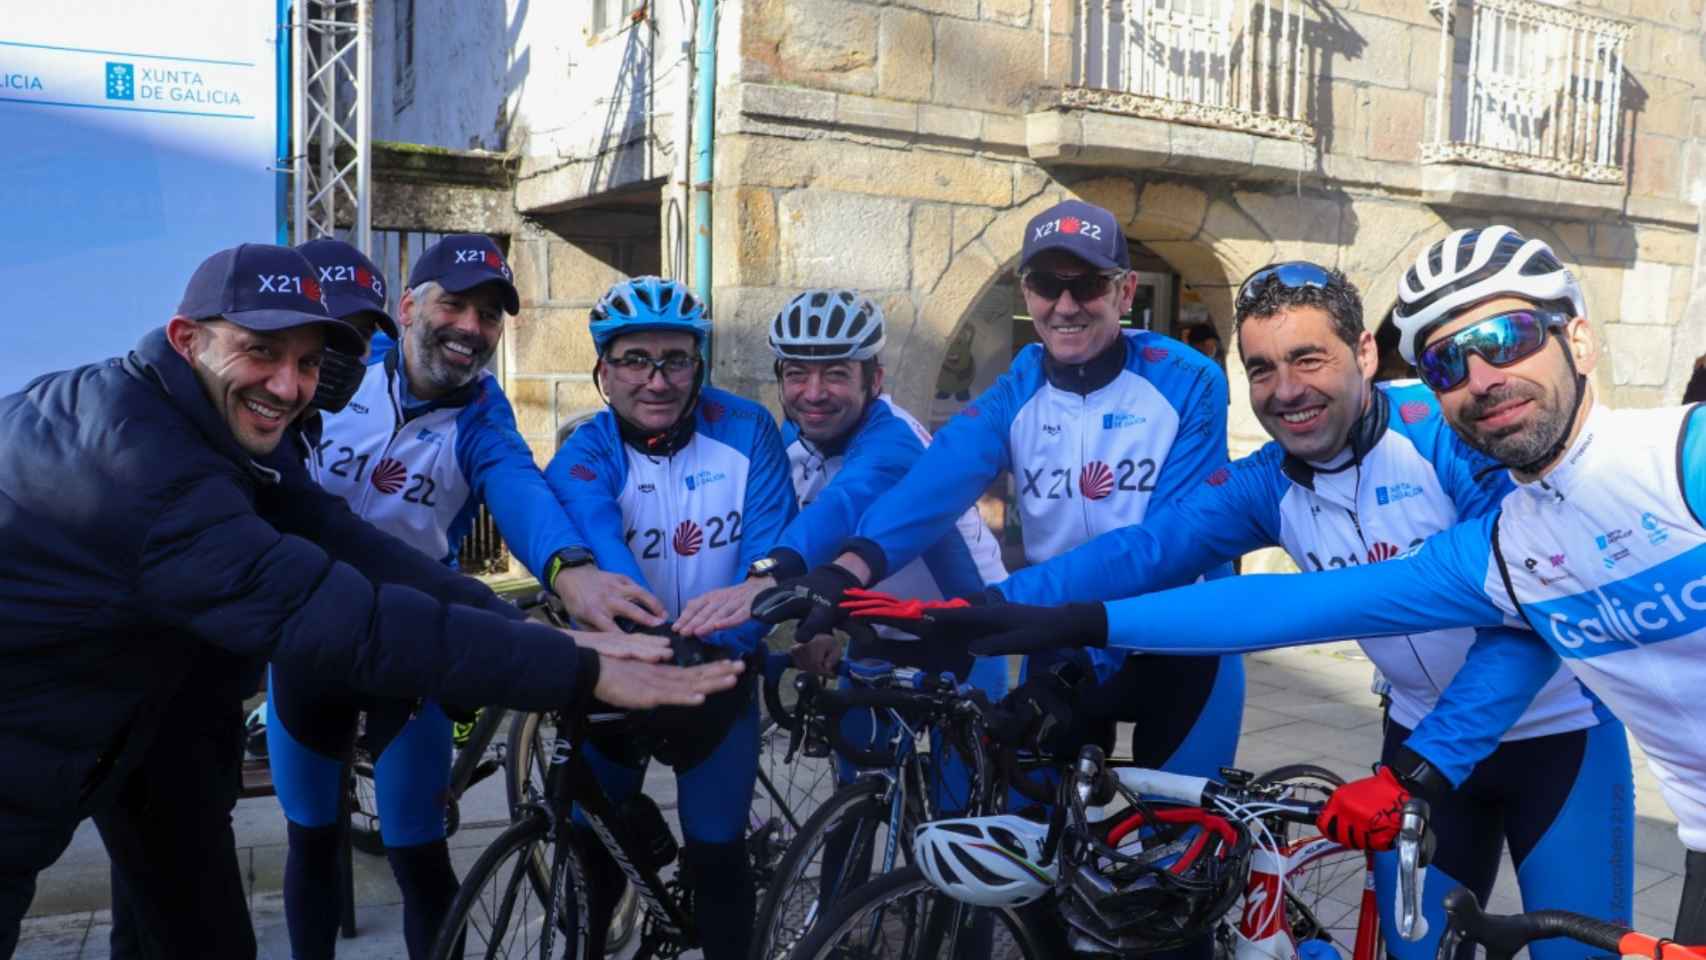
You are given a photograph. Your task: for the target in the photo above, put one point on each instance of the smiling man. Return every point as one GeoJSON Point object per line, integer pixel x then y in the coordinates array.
{"type": "Point", "coordinates": [1358, 473]}
{"type": "Point", "coordinates": [130, 543]}
{"type": "Point", "coordinates": [1098, 426]}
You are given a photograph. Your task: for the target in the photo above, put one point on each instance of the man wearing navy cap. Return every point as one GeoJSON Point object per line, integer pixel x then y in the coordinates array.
{"type": "Point", "coordinates": [129, 542]}
{"type": "Point", "coordinates": [1096, 424]}
{"type": "Point", "coordinates": [424, 439]}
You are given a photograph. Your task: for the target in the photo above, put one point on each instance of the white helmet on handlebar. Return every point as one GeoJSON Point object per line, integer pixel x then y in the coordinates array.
{"type": "Point", "coordinates": [986, 861]}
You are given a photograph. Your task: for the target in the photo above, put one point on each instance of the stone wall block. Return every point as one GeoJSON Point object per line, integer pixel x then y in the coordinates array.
{"type": "Point", "coordinates": [830, 44]}
{"type": "Point", "coordinates": [1303, 228]}
{"type": "Point", "coordinates": [953, 123]}
{"type": "Point", "coordinates": [1381, 240]}
{"type": "Point", "coordinates": [527, 258]}
{"type": "Point", "coordinates": [1657, 166]}
{"type": "Point", "coordinates": [1639, 353]}
{"type": "Point", "coordinates": [1002, 130]}
{"type": "Point", "coordinates": [916, 173]}
{"type": "Point", "coordinates": [932, 244]}
{"type": "Point", "coordinates": [745, 236]}
{"type": "Point", "coordinates": [1405, 11]}
{"type": "Point", "coordinates": [1397, 122]}
{"type": "Point", "coordinates": [816, 225]}
{"type": "Point", "coordinates": [1238, 239]}
{"type": "Point", "coordinates": [553, 340]}
{"type": "Point", "coordinates": [1169, 211]}
{"type": "Point", "coordinates": [1665, 246]}
{"type": "Point", "coordinates": [985, 66]}
{"type": "Point", "coordinates": [1013, 12]}
{"type": "Point", "coordinates": [1646, 299]}
{"type": "Point", "coordinates": [894, 116]}
{"type": "Point", "coordinates": [583, 270]}
{"type": "Point", "coordinates": [964, 9]}
{"type": "Point", "coordinates": [531, 400]}
{"type": "Point", "coordinates": [1668, 111]}
{"type": "Point", "coordinates": [906, 54]}
{"type": "Point", "coordinates": [969, 224]}
{"type": "Point", "coordinates": [1385, 56]}
{"type": "Point", "coordinates": [1117, 195]}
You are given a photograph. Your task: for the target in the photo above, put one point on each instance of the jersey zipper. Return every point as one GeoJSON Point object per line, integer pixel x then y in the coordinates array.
{"type": "Point", "coordinates": [1356, 522]}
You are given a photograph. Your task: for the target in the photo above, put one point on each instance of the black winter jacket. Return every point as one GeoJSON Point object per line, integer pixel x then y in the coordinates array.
{"type": "Point", "coordinates": [129, 535]}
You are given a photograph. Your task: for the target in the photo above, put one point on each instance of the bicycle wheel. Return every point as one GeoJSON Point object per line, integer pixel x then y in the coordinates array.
{"type": "Point", "coordinates": [1324, 893]}
{"type": "Point", "coordinates": [836, 851]}
{"type": "Point", "coordinates": [902, 915]}
{"type": "Point", "coordinates": [783, 800]}
{"type": "Point", "coordinates": [500, 911]}
{"type": "Point", "coordinates": [364, 807]}
{"type": "Point", "coordinates": [532, 739]}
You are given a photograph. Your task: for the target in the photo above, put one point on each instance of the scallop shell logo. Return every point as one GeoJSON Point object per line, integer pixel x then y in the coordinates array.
{"type": "Point", "coordinates": [388, 476]}
{"type": "Point", "coordinates": [1381, 551]}
{"type": "Point", "coordinates": [687, 539]}
{"type": "Point", "coordinates": [1415, 411]}
{"type": "Point", "coordinates": [1095, 481]}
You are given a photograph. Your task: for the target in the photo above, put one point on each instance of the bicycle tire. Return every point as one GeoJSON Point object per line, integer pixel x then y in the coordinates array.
{"type": "Point", "coordinates": [364, 832]}
{"type": "Point", "coordinates": [1323, 897]}
{"type": "Point", "coordinates": [899, 903]}
{"type": "Point", "coordinates": [498, 899]}
{"type": "Point", "coordinates": [795, 899]}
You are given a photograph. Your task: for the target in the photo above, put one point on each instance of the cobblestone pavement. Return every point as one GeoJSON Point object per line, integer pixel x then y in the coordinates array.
{"type": "Point", "coordinates": [1303, 705]}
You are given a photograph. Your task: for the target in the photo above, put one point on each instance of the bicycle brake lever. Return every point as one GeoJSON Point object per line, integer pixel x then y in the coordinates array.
{"type": "Point", "coordinates": [1412, 858]}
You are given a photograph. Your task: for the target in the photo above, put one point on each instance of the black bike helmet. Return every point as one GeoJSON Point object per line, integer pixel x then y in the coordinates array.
{"type": "Point", "coordinates": [1156, 877]}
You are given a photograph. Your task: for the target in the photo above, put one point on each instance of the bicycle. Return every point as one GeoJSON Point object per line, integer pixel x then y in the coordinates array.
{"type": "Point", "coordinates": [1504, 935]}
{"type": "Point", "coordinates": [905, 915]}
{"type": "Point", "coordinates": [865, 825]}
{"type": "Point", "coordinates": [511, 902]}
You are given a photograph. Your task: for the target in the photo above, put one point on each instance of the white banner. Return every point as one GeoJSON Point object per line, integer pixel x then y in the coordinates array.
{"type": "Point", "coordinates": [135, 139]}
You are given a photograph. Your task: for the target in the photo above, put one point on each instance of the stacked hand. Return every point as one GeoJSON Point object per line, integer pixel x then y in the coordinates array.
{"type": "Point", "coordinates": [989, 628]}
{"type": "Point", "coordinates": [1365, 814]}
{"type": "Point", "coordinates": [813, 599]}
{"type": "Point", "coordinates": [631, 674]}
{"type": "Point", "coordinates": [721, 609]}
{"type": "Point", "coordinates": [595, 598]}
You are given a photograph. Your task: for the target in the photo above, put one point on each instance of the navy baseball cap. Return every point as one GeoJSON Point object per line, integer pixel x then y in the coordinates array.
{"type": "Point", "coordinates": [1082, 229]}
{"type": "Point", "coordinates": [262, 287]}
{"type": "Point", "coordinates": [350, 281]}
{"type": "Point", "coordinates": [463, 261]}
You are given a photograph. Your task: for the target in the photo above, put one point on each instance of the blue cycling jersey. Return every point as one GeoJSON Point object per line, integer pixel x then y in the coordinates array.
{"type": "Point", "coordinates": [1604, 557]}
{"type": "Point", "coordinates": [420, 470]}
{"type": "Point", "coordinates": [1090, 448]}
{"type": "Point", "coordinates": [686, 522]}
{"type": "Point", "coordinates": [837, 483]}
{"type": "Point", "coordinates": [1403, 477]}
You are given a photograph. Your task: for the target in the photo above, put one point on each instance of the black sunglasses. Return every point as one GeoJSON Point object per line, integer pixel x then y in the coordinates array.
{"type": "Point", "coordinates": [1085, 287]}
{"type": "Point", "coordinates": [1291, 274]}
{"type": "Point", "coordinates": [1501, 340]}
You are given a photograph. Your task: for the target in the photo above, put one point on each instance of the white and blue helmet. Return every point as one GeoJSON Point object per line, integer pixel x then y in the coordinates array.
{"type": "Point", "coordinates": [647, 303]}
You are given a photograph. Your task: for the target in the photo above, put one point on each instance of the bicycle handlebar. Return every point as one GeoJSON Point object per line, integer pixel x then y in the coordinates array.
{"type": "Point", "coordinates": [1503, 936]}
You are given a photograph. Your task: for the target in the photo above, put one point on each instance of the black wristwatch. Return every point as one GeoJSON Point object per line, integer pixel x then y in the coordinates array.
{"type": "Point", "coordinates": [566, 559]}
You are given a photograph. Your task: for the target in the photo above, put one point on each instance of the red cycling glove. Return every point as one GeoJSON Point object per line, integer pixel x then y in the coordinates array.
{"type": "Point", "coordinates": [1365, 814]}
{"type": "Point", "coordinates": [874, 604]}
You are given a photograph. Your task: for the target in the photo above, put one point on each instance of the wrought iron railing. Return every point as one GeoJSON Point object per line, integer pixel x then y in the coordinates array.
{"type": "Point", "coordinates": [1526, 85]}
{"type": "Point", "coordinates": [1239, 64]}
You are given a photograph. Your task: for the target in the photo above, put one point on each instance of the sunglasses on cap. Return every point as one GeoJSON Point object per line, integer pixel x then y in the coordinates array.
{"type": "Point", "coordinates": [1085, 287]}
{"type": "Point", "coordinates": [1291, 274]}
{"type": "Point", "coordinates": [1501, 340]}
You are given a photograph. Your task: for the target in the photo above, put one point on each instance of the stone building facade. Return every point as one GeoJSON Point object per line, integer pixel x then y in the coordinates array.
{"type": "Point", "coordinates": [900, 146]}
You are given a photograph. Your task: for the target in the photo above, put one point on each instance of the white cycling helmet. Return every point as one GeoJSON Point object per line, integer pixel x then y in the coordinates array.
{"type": "Point", "coordinates": [1470, 266]}
{"type": "Point", "coordinates": [986, 861]}
{"type": "Point", "coordinates": [830, 324]}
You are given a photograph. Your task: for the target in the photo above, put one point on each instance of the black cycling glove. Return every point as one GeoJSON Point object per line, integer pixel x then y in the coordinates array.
{"type": "Point", "coordinates": [1000, 628]}
{"type": "Point", "coordinates": [813, 599]}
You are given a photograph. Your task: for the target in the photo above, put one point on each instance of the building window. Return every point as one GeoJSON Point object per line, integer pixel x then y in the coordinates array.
{"type": "Point", "coordinates": [403, 82]}
{"type": "Point", "coordinates": [610, 14]}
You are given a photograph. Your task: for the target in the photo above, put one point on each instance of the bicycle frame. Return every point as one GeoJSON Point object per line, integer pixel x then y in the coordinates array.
{"type": "Point", "coordinates": [1263, 933]}
{"type": "Point", "coordinates": [571, 786]}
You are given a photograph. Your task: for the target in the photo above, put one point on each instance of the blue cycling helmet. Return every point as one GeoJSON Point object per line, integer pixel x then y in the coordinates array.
{"type": "Point", "coordinates": [647, 303]}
